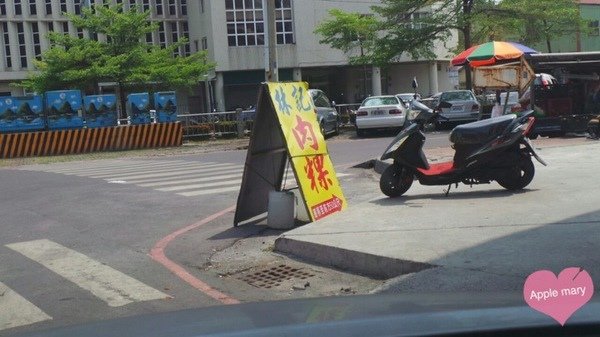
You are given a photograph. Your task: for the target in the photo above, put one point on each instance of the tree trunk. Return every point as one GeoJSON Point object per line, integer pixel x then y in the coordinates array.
{"type": "Point", "coordinates": [547, 37]}
{"type": "Point", "coordinates": [467, 35]}
{"type": "Point", "coordinates": [467, 6]}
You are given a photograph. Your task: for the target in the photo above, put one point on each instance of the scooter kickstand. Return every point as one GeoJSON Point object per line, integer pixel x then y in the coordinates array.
{"type": "Point", "coordinates": [448, 190]}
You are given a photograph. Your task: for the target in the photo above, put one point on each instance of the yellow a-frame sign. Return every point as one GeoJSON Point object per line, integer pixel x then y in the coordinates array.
{"type": "Point", "coordinates": [286, 128]}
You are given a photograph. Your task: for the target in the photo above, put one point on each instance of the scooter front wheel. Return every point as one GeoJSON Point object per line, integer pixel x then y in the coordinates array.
{"type": "Point", "coordinates": [396, 180]}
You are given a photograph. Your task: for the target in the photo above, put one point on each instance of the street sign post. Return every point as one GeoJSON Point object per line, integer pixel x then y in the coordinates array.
{"type": "Point", "coordinates": [286, 128]}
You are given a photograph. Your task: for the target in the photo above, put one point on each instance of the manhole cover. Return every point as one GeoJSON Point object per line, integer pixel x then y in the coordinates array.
{"type": "Point", "coordinates": [274, 276]}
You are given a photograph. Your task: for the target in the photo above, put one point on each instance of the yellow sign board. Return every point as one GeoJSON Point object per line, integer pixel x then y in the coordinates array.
{"type": "Point", "coordinates": [286, 129]}
{"type": "Point", "coordinates": [307, 149]}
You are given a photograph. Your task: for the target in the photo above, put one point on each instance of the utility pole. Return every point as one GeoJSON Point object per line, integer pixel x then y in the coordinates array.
{"type": "Point", "coordinates": [271, 71]}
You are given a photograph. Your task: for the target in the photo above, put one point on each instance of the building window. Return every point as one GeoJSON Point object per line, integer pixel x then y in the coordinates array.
{"type": "Point", "coordinates": [174, 37]}
{"type": "Point", "coordinates": [32, 7]}
{"type": "Point", "coordinates": [6, 38]}
{"type": "Point", "coordinates": [35, 36]}
{"type": "Point", "coordinates": [63, 6]}
{"type": "Point", "coordinates": [202, 6]}
{"type": "Point", "coordinates": [162, 38]}
{"type": "Point", "coordinates": [77, 6]}
{"type": "Point", "coordinates": [50, 26]}
{"type": "Point", "coordinates": [80, 33]}
{"type": "Point", "coordinates": [149, 39]}
{"type": "Point", "coordinates": [146, 5]}
{"type": "Point", "coordinates": [132, 4]}
{"type": "Point", "coordinates": [159, 7]}
{"type": "Point", "coordinates": [594, 28]}
{"type": "Point", "coordinates": [2, 7]}
{"type": "Point", "coordinates": [186, 33]}
{"type": "Point", "coordinates": [417, 19]}
{"type": "Point", "coordinates": [172, 7]}
{"type": "Point", "coordinates": [245, 23]}
{"type": "Point", "coordinates": [48, 7]}
{"type": "Point", "coordinates": [65, 27]}
{"type": "Point", "coordinates": [284, 22]}
{"type": "Point", "coordinates": [183, 7]}
{"type": "Point", "coordinates": [204, 43]}
{"type": "Point", "coordinates": [22, 45]}
{"type": "Point", "coordinates": [18, 10]}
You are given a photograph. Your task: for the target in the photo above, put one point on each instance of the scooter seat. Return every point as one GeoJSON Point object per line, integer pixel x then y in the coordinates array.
{"type": "Point", "coordinates": [481, 131]}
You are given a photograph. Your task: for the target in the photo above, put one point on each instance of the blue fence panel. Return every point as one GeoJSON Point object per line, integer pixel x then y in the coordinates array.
{"type": "Point", "coordinates": [100, 110]}
{"type": "Point", "coordinates": [63, 109]}
{"type": "Point", "coordinates": [165, 103]}
{"type": "Point", "coordinates": [138, 108]}
{"type": "Point", "coordinates": [21, 114]}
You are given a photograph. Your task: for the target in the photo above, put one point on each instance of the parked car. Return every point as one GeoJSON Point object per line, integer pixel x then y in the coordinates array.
{"type": "Point", "coordinates": [408, 97]}
{"type": "Point", "coordinates": [327, 115]}
{"type": "Point", "coordinates": [380, 112]}
{"type": "Point", "coordinates": [465, 107]}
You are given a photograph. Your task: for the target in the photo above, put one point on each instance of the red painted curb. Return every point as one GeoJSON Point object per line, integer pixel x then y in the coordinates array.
{"type": "Point", "coordinates": [158, 254]}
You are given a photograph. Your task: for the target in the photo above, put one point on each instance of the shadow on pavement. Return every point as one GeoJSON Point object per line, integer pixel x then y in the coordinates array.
{"type": "Point", "coordinates": [503, 264]}
{"type": "Point", "coordinates": [454, 195]}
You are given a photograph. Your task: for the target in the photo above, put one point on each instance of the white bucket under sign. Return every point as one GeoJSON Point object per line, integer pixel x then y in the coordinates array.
{"type": "Point", "coordinates": [281, 210]}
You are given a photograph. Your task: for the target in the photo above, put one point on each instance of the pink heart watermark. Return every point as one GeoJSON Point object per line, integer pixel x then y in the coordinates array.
{"type": "Point", "coordinates": [558, 297]}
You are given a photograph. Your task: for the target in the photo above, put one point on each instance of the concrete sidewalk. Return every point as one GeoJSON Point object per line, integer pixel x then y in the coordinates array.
{"type": "Point", "coordinates": [472, 238]}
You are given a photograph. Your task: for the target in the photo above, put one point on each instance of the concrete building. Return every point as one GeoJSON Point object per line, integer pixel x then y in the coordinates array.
{"type": "Point", "coordinates": [24, 25]}
{"type": "Point", "coordinates": [232, 31]}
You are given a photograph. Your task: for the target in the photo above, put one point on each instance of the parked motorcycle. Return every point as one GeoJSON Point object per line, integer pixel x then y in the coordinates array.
{"type": "Point", "coordinates": [494, 149]}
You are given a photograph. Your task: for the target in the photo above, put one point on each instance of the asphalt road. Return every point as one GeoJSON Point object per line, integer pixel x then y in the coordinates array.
{"type": "Point", "coordinates": [76, 237]}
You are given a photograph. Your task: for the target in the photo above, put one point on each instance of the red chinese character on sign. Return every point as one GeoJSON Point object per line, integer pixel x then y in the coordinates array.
{"type": "Point", "coordinates": [316, 172]}
{"type": "Point", "coordinates": [303, 132]}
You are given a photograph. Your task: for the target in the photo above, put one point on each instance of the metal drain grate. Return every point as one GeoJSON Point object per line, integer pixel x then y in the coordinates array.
{"type": "Point", "coordinates": [274, 276]}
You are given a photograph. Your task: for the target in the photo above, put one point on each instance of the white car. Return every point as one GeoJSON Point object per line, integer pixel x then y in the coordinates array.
{"type": "Point", "coordinates": [380, 112]}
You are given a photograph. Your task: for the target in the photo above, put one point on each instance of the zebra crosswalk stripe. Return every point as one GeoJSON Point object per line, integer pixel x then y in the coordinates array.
{"type": "Point", "coordinates": [104, 282]}
{"type": "Point", "coordinates": [17, 311]}
{"type": "Point", "coordinates": [162, 173]}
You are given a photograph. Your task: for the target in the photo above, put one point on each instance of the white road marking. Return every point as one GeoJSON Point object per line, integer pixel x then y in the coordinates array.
{"type": "Point", "coordinates": [150, 169]}
{"type": "Point", "coordinates": [211, 191]}
{"type": "Point", "coordinates": [187, 181]}
{"type": "Point", "coordinates": [116, 166]}
{"type": "Point", "coordinates": [197, 186]}
{"type": "Point", "coordinates": [16, 311]}
{"type": "Point", "coordinates": [104, 282]}
{"type": "Point", "coordinates": [185, 176]}
{"type": "Point", "coordinates": [161, 174]}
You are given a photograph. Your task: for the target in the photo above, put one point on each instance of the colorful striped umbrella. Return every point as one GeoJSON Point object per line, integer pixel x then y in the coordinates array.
{"type": "Point", "coordinates": [491, 52]}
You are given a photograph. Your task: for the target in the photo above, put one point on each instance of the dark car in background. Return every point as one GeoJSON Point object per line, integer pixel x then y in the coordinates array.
{"type": "Point", "coordinates": [327, 115]}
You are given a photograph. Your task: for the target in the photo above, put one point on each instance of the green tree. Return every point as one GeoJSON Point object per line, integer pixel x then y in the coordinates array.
{"type": "Point", "coordinates": [415, 26]}
{"type": "Point", "coordinates": [536, 21]}
{"type": "Point", "coordinates": [352, 33]}
{"type": "Point", "coordinates": [125, 57]}
{"type": "Point", "coordinates": [404, 26]}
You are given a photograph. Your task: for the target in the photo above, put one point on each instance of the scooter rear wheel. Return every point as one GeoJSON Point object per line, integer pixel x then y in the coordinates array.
{"type": "Point", "coordinates": [396, 180]}
{"type": "Point", "coordinates": [519, 176]}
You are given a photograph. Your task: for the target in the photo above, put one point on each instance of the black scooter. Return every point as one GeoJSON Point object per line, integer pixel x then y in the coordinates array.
{"type": "Point", "coordinates": [487, 150]}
